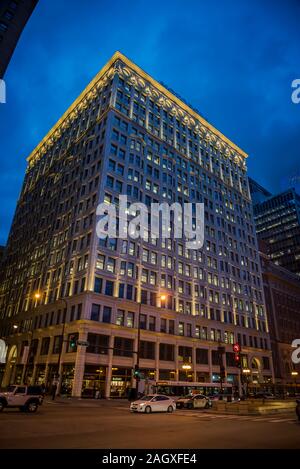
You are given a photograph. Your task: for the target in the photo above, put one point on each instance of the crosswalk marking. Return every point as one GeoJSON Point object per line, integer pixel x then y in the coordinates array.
{"type": "Point", "coordinates": [266, 419]}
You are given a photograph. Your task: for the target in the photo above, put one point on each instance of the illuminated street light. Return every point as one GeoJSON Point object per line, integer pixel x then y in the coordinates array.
{"type": "Point", "coordinates": [186, 366]}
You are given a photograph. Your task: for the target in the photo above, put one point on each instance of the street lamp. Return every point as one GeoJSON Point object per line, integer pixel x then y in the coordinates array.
{"type": "Point", "coordinates": [137, 365]}
{"type": "Point", "coordinates": [187, 367]}
{"type": "Point", "coordinates": [246, 372]}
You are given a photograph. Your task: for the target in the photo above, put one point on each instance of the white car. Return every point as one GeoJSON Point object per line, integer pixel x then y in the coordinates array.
{"type": "Point", "coordinates": [153, 403]}
{"type": "Point", "coordinates": [196, 401]}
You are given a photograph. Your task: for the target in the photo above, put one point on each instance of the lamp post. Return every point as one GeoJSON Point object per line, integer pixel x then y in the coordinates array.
{"type": "Point", "coordinates": [246, 372]}
{"type": "Point", "coordinates": [138, 352]}
{"type": "Point", "coordinates": [187, 367]}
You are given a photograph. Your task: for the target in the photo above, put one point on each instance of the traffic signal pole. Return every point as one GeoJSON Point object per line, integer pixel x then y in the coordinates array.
{"type": "Point", "coordinates": [137, 365]}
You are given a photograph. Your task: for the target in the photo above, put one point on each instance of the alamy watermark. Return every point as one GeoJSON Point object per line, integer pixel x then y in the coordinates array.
{"type": "Point", "coordinates": [163, 221]}
{"type": "Point", "coordinates": [296, 93]}
{"type": "Point", "coordinates": [296, 352]}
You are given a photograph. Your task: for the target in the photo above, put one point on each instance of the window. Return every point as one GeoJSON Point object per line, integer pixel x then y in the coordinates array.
{"type": "Point", "coordinates": [106, 317]}
{"type": "Point", "coordinates": [100, 262]}
{"type": "Point", "coordinates": [130, 319]}
{"type": "Point", "coordinates": [163, 325]}
{"type": "Point", "coordinates": [120, 317]}
{"type": "Point", "coordinates": [152, 323]}
{"type": "Point", "coordinates": [57, 344]}
{"type": "Point", "coordinates": [123, 347]}
{"type": "Point", "coordinates": [181, 328]}
{"type": "Point", "coordinates": [98, 343]}
{"type": "Point", "coordinates": [109, 288]}
{"type": "Point", "coordinates": [147, 350]}
{"type": "Point", "coordinates": [45, 346]}
{"type": "Point", "coordinates": [202, 356]}
{"type": "Point", "coordinates": [98, 285]}
{"type": "Point", "coordinates": [143, 321]}
{"type": "Point", "coordinates": [166, 352]}
{"type": "Point", "coordinates": [110, 265]}
{"type": "Point", "coordinates": [95, 312]}
{"type": "Point", "coordinates": [171, 326]}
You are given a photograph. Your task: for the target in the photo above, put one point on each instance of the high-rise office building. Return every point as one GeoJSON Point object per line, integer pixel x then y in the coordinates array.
{"type": "Point", "coordinates": [14, 15]}
{"type": "Point", "coordinates": [282, 295]}
{"type": "Point", "coordinates": [258, 193]}
{"type": "Point", "coordinates": [277, 219]}
{"type": "Point", "coordinates": [179, 310]}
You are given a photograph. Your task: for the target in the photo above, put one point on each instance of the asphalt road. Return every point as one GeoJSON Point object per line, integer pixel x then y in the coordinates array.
{"type": "Point", "coordinates": [102, 424]}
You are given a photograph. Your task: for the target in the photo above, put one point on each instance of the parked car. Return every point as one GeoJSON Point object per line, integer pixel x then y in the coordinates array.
{"type": "Point", "coordinates": [153, 403]}
{"type": "Point", "coordinates": [193, 401]}
{"type": "Point", "coordinates": [264, 395]}
{"type": "Point", "coordinates": [224, 397]}
{"type": "Point", "coordinates": [26, 398]}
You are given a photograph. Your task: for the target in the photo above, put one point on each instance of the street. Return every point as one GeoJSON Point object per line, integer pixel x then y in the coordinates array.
{"type": "Point", "coordinates": [109, 424]}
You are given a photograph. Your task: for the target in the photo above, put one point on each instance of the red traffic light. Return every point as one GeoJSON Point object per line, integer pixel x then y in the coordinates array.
{"type": "Point", "coordinates": [236, 348]}
{"type": "Point", "coordinates": [237, 357]}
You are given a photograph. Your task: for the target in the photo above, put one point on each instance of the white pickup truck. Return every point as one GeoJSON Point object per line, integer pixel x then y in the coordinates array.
{"type": "Point", "coordinates": [26, 398]}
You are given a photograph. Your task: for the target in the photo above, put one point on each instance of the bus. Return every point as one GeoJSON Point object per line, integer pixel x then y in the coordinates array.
{"type": "Point", "coordinates": [178, 388]}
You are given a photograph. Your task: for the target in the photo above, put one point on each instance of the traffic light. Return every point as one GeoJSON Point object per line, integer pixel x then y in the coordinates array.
{"type": "Point", "coordinates": [237, 354]}
{"type": "Point", "coordinates": [73, 342]}
{"type": "Point", "coordinates": [137, 372]}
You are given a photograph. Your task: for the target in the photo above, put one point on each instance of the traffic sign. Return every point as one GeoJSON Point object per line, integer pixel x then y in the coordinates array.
{"type": "Point", "coordinates": [83, 343]}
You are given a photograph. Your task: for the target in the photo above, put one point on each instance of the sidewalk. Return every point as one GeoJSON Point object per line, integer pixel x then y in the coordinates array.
{"type": "Point", "coordinates": [78, 401]}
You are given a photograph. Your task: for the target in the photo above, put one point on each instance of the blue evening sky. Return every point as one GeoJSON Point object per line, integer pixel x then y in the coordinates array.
{"type": "Point", "coordinates": [233, 60]}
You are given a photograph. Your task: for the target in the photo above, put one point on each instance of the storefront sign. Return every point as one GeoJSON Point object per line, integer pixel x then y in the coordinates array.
{"type": "Point", "coordinates": [3, 351]}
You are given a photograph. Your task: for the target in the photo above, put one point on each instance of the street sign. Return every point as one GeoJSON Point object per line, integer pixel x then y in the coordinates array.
{"type": "Point", "coordinates": [83, 343]}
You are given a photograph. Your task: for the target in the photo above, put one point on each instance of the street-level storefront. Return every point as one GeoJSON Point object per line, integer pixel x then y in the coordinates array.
{"type": "Point", "coordinates": [40, 374]}
{"type": "Point", "coordinates": [67, 379]}
{"type": "Point", "coordinates": [93, 384]}
{"type": "Point", "coordinates": [121, 381]}
{"type": "Point", "coordinates": [51, 375]}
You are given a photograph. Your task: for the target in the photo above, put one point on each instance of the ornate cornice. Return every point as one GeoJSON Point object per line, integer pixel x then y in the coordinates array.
{"type": "Point", "coordinates": [121, 65]}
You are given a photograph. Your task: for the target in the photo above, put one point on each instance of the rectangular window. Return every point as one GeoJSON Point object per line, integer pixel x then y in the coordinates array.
{"type": "Point", "coordinates": [57, 344]}
{"type": "Point", "coordinates": [98, 343]}
{"type": "Point", "coordinates": [98, 285]}
{"type": "Point", "coordinates": [106, 317]}
{"type": "Point", "coordinates": [109, 288]}
{"type": "Point", "coordinates": [120, 317]}
{"type": "Point", "coordinates": [147, 350]}
{"type": "Point", "coordinates": [95, 312]}
{"type": "Point", "coordinates": [130, 319]}
{"type": "Point", "coordinates": [123, 347]}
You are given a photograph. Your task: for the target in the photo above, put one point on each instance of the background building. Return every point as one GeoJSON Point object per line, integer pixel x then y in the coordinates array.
{"type": "Point", "coordinates": [282, 294]}
{"type": "Point", "coordinates": [258, 193]}
{"type": "Point", "coordinates": [128, 134]}
{"type": "Point", "coordinates": [13, 18]}
{"type": "Point", "coordinates": [277, 220]}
